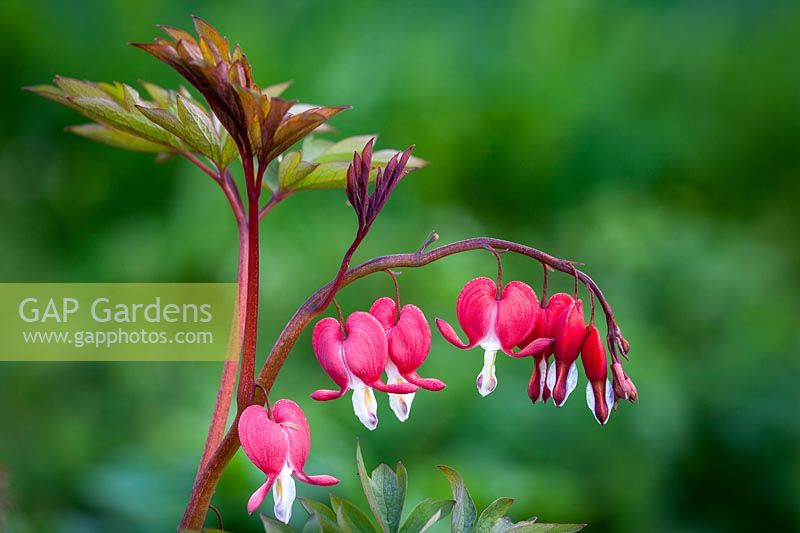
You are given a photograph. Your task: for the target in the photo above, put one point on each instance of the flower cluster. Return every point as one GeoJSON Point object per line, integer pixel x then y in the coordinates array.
{"type": "Point", "coordinates": [356, 352]}
{"type": "Point", "coordinates": [278, 443]}
{"type": "Point", "coordinates": [498, 318]}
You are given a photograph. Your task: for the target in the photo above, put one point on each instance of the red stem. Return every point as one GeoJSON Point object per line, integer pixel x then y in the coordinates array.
{"type": "Point", "coordinates": [227, 382]}
{"type": "Point", "coordinates": [244, 395]}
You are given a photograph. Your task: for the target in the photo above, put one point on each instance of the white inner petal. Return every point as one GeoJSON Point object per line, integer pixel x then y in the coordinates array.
{"type": "Point", "coordinates": [609, 397]}
{"type": "Point", "coordinates": [590, 399]}
{"type": "Point", "coordinates": [490, 341]}
{"type": "Point", "coordinates": [551, 376]}
{"type": "Point", "coordinates": [542, 377]}
{"type": "Point", "coordinates": [572, 380]}
{"type": "Point", "coordinates": [487, 379]}
{"type": "Point", "coordinates": [364, 404]}
{"type": "Point", "coordinates": [400, 403]}
{"type": "Point", "coordinates": [284, 493]}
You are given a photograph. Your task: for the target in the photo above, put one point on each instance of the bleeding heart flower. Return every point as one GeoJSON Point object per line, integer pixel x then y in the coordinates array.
{"type": "Point", "coordinates": [569, 331]}
{"type": "Point", "coordinates": [354, 355]}
{"type": "Point", "coordinates": [495, 321]}
{"type": "Point", "coordinates": [544, 328]}
{"type": "Point", "coordinates": [599, 392]}
{"type": "Point", "coordinates": [409, 340]}
{"type": "Point", "coordinates": [279, 448]}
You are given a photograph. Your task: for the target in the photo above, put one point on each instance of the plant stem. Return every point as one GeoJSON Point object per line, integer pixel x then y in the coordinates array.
{"type": "Point", "coordinates": [244, 395]}
{"type": "Point", "coordinates": [227, 384]}
{"type": "Point", "coordinates": [209, 477]}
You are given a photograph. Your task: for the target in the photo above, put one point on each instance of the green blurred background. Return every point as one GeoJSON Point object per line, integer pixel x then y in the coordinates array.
{"type": "Point", "coordinates": [655, 141]}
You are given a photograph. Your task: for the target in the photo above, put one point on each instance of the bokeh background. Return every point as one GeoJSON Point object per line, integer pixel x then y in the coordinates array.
{"type": "Point", "coordinates": [655, 141]}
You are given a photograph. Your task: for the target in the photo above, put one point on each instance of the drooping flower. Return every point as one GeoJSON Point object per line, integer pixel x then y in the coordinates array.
{"type": "Point", "coordinates": [569, 331]}
{"type": "Point", "coordinates": [279, 448]}
{"type": "Point", "coordinates": [354, 355]}
{"type": "Point", "coordinates": [544, 328]}
{"type": "Point", "coordinates": [599, 391]}
{"type": "Point", "coordinates": [408, 337]}
{"type": "Point", "coordinates": [494, 320]}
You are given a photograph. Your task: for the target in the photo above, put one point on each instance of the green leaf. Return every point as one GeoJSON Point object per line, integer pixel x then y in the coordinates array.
{"type": "Point", "coordinates": [164, 120]}
{"type": "Point", "coordinates": [160, 96]}
{"type": "Point", "coordinates": [312, 525]}
{"type": "Point", "coordinates": [535, 527]}
{"type": "Point", "coordinates": [51, 93]}
{"type": "Point", "coordinates": [389, 496]}
{"type": "Point", "coordinates": [369, 492]}
{"type": "Point", "coordinates": [313, 147]}
{"type": "Point", "coordinates": [350, 518]}
{"type": "Point", "coordinates": [464, 512]}
{"type": "Point", "coordinates": [324, 514]}
{"type": "Point", "coordinates": [198, 130]}
{"type": "Point", "coordinates": [330, 175]}
{"type": "Point", "coordinates": [425, 514]}
{"type": "Point", "coordinates": [114, 137]}
{"type": "Point", "coordinates": [80, 88]}
{"type": "Point", "coordinates": [343, 150]}
{"type": "Point", "coordinates": [274, 526]}
{"type": "Point", "coordinates": [293, 169]}
{"type": "Point", "coordinates": [402, 478]}
{"type": "Point", "coordinates": [229, 152]}
{"type": "Point", "coordinates": [131, 121]}
{"type": "Point", "coordinates": [495, 512]}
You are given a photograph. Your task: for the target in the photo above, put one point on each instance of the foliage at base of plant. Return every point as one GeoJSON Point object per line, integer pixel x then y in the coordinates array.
{"type": "Point", "coordinates": [385, 490]}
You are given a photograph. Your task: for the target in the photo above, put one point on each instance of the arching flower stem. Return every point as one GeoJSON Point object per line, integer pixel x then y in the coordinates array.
{"type": "Point", "coordinates": [311, 308]}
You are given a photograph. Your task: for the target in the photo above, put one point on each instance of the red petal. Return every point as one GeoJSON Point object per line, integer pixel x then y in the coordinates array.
{"type": "Point", "coordinates": [394, 388]}
{"type": "Point", "coordinates": [263, 440]}
{"type": "Point", "coordinates": [451, 336]}
{"type": "Point", "coordinates": [410, 339]}
{"type": "Point", "coordinates": [365, 348]}
{"type": "Point", "coordinates": [593, 356]}
{"type": "Point", "coordinates": [537, 347]}
{"type": "Point", "coordinates": [425, 383]}
{"type": "Point", "coordinates": [516, 314]}
{"type": "Point", "coordinates": [475, 307]}
{"type": "Point", "coordinates": [258, 496]}
{"type": "Point", "coordinates": [562, 388]}
{"type": "Point", "coordinates": [601, 409]}
{"type": "Point", "coordinates": [546, 318]}
{"type": "Point", "coordinates": [327, 343]}
{"type": "Point", "coordinates": [384, 310]}
{"type": "Point", "coordinates": [323, 395]}
{"type": "Point", "coordinates": [556, 305]}
{"type": "Point", "coordinates": [322, 480]}
{"type": "Point", "coordinates": [537, 385]}
{"type": "Point", "coordinates": [299, 439]}
{"type": "Point", "coordinates": [569, 332]}
{"type": "Point", "coordinates": [539, 330]}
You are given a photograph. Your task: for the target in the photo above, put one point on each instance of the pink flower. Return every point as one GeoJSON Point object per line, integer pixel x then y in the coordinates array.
{"type": "Point", "coordinates": [354, 355]}
{"type": "Point", "coordinates": [495, 321]}
{"type": "Point", "coordinates": [279, 448]}
{"type": "Point", "coordinates": [409, 341]}
{"type": "Point", "coordinates": [569, 331]}
{"type": "Point", "coordinates": [599, 392]}
{"type": "Point", "coordinates": [544, 328]}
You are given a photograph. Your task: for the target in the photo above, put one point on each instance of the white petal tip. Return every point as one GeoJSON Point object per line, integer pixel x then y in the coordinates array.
{"type": "Point", "coordinates": [401, 405]}
{"type": "Point", "coordinates": [486, 386]}
{"type": "Point", "coordinates": [487, 379]}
